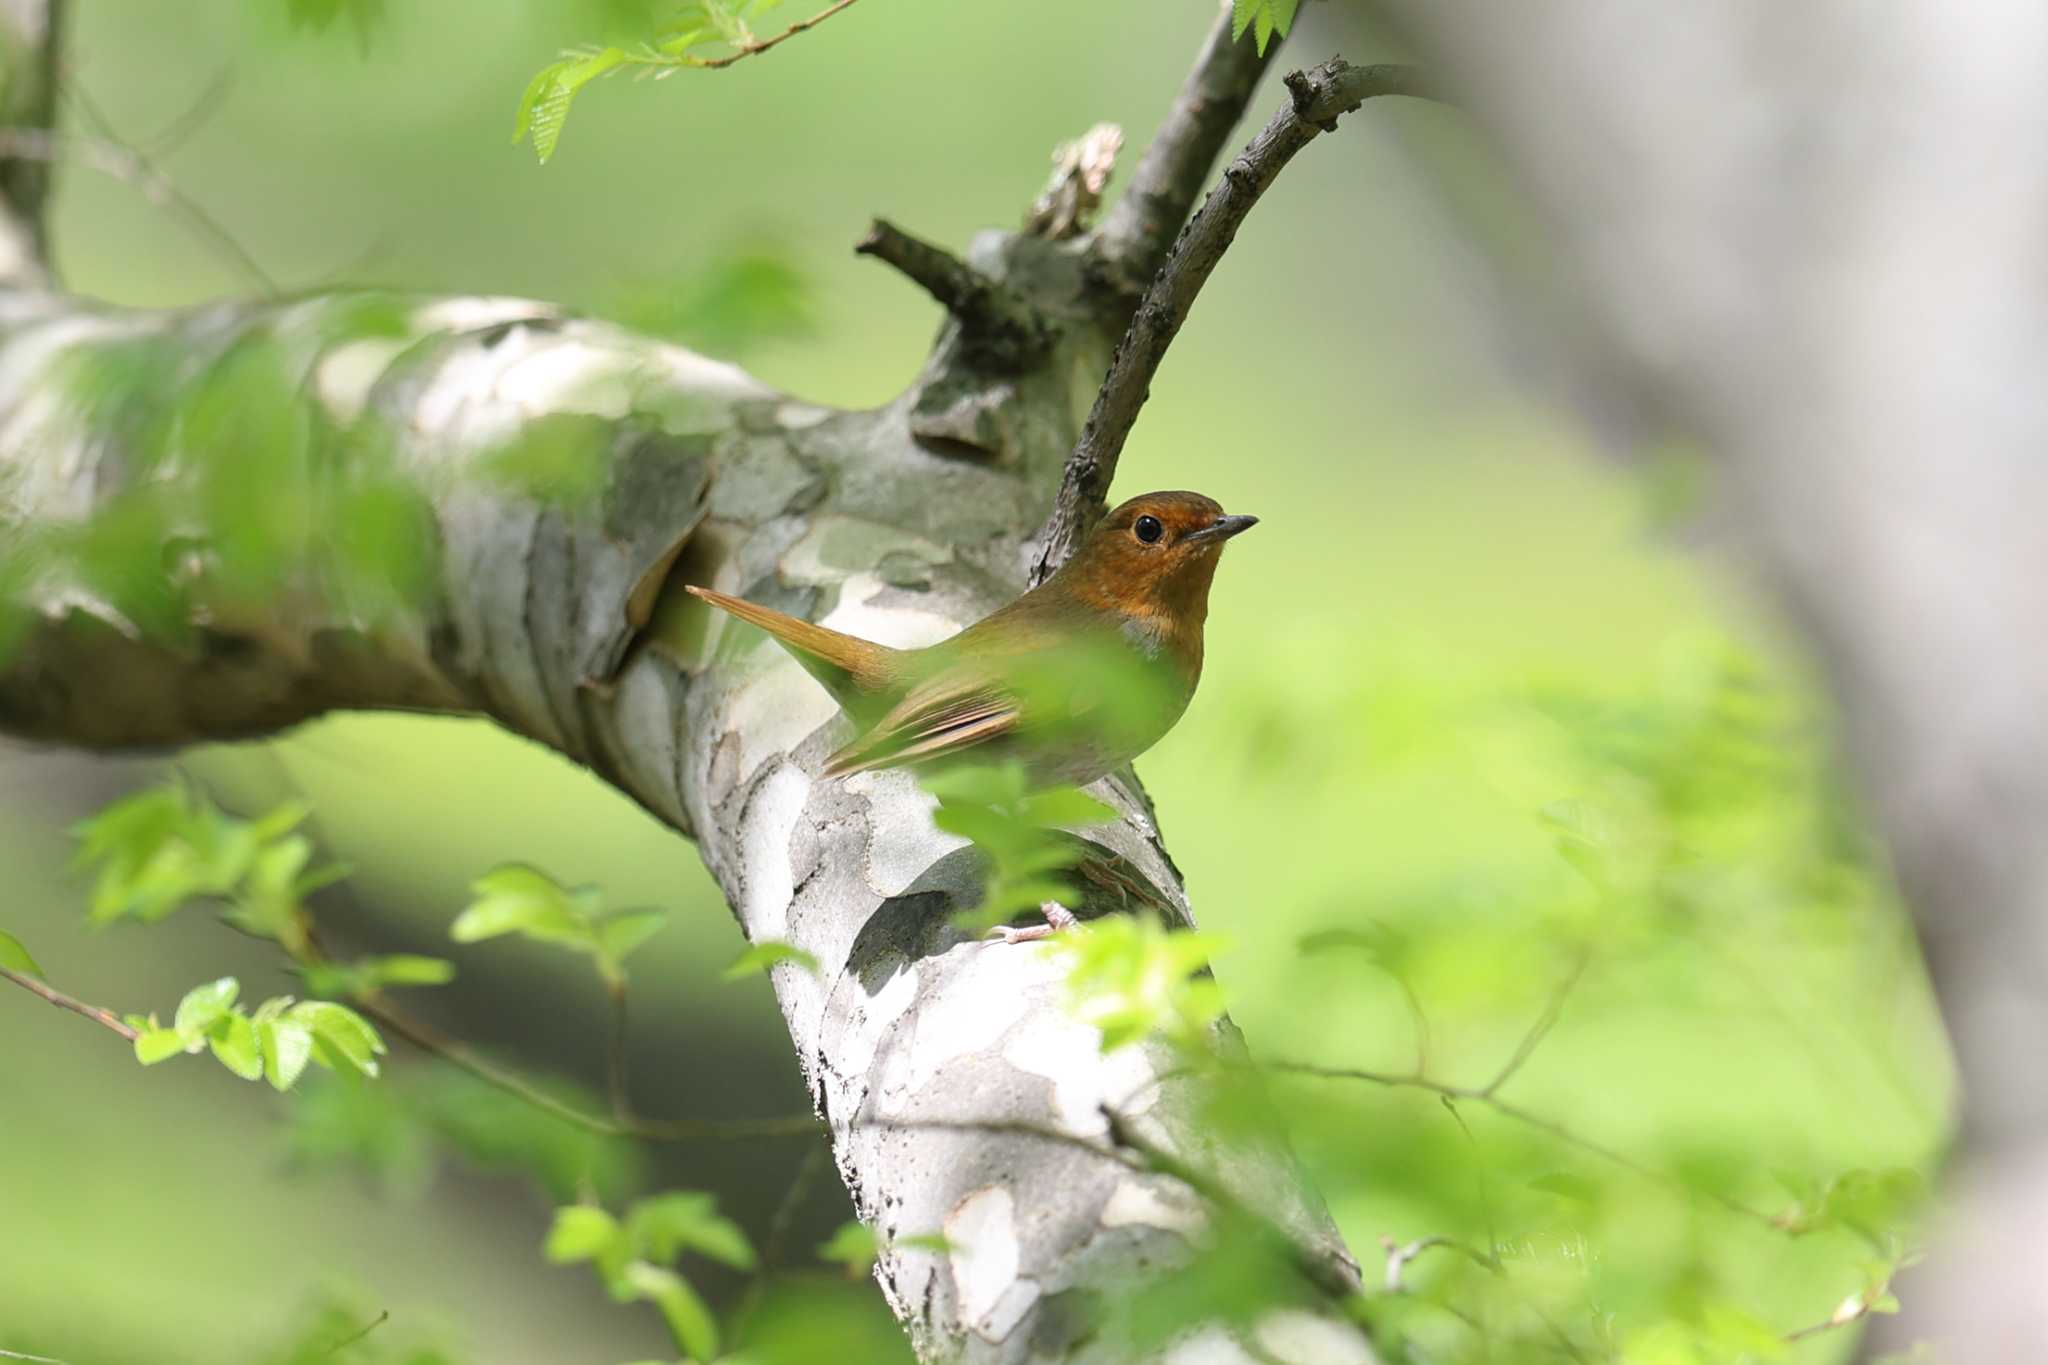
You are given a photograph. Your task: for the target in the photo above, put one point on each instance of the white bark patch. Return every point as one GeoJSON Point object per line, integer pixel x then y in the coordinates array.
{"type": "Point", "coordinates": [569, 374]}
{"type": "Point", "coordinates": [776, 711]}
{"type": "Point", "coordinates": [902, 849]}
{"type": "Point", "coordinates": [772, 813]}
{"type": "Point", "coordinates": [1213, 1346]}
{"type": "Point", "coordinates": [1293, 1334]}
{"type": "Point", "coordinates": [878, 1013]}
{"type": "Point", "coordinates": [982, 1234]}
{"type": "Point", "coordinates": [475, 314]}
{"type": "Point", "coordinates": [975, 1005]}
{"type": "Point", "coordinates": [1068, 1053]}
{"type": "Point", "coordinates": [345, 375]}
{"type": "Point", "coordinates": [836, 546]}
{"type": "Point", "coordinates": [1137, 1204]}
{"type": "Point", "coordinates": [896, 626]}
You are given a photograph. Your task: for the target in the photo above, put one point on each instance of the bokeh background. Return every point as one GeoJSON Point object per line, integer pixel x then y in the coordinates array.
{"type": "Point", "coordinates": [1455, 615]}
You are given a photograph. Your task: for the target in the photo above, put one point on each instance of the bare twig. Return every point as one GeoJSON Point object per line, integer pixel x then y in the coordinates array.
{"type": "Point", "coordinates": [1520, 1115]}
{"type": "Point", "coordinates": [783, 1221]}
{"type": "Point", "coordinates": [104, 1017]}
{"type": "Point", "coordinates": [999, 325]}
{"type": "Point", "coordinates": [6, 1354]}
{"type": "Point", "coordinates": [1400, 1254]}
{"type": "Point", "coordinates": [353, 1337]}
{"type": "Point", "coordinates": [431, 1040]}
{"type": "Point", "coordinates": [130, 167]}
{"type": "Point", "coordinates": [615, 1054]}
{"type": "Point", "coordinates": [1317, 97]}
{"type": "Point", "coordinates": [1135, 234]}
{"type": "Point", "coordinates": [1540, 1030]}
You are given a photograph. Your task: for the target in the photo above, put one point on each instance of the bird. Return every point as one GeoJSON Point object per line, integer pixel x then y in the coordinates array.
{"type": "Point", "coordinates": [1072, 680]}
{"type": "Point", "coordinates": [1024, 682]}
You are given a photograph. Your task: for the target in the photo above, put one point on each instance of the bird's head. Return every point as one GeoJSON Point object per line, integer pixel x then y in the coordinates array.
{"type": "Point", "coordinates": [1154, 556]}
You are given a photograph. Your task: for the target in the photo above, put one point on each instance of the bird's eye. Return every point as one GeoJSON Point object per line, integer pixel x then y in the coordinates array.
{"type": "Point", "coordinates": [1148, 529]}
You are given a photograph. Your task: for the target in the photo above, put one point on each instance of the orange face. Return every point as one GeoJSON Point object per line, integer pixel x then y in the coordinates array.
{"type": "Point", "coordinates": [1155, 556]}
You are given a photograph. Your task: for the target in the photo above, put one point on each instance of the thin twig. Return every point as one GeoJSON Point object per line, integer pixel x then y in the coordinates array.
{"type": "Point", "coordinates": [748, 47]}
{"type": "Point", "coordinates": [1136, 232]}
{"type": "Point", "coordinates": [130, 167]}
{"type": "Point", "coordinates": [1316, 98]}
{"type": "Point", "coordinates": [104, 1017]}
{"type": "Point", "coordinates": [1399, 1255]}
{"type": "Point", "coordinates": [352, 1338]}
{"type": "Point", "coordinates": [1540, 1030]}
{"type": "Point", "coordinates": [1519, 1115]}
{"type": "Point", "coordinates": [783, 1221]}
{"type": "Point", "coordinates": [431, 1040]}
{"type": "Point", "coordinates": [998, 324]}
{"type": "Point", "coordinates": [615, 1053]}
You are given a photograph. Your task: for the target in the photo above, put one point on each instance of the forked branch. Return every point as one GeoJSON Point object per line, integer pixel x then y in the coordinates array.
{"type": "Point", "coordinates": [1317, 98]}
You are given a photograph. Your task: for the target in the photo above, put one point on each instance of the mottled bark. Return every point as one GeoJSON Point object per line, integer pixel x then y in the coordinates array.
{"type": "Point", "coordinates": [931, 1055]}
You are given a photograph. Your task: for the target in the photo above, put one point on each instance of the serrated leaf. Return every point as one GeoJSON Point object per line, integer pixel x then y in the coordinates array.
{"type": "Point", "coordinates": [15, 958]}
{"type": "Point", "coordinates": [689, 1320]}
{"type": "Point", "coordinates": [581, 1232]}
{"type": "Point", "coordinates": [158, 1044]}
{"type": "Point", "coordinates": [287, 1049]}
{"type": "Point", "coordinates": [203, 1005]}
{"type": "Point", "coordinates": [342, 1031]}
{"type": "Point", "coordinates": [759, 957]}
{"type": "Point", "coordinates": [233, 1040]}
{"type": "Point", "coordinates": [544, 108]}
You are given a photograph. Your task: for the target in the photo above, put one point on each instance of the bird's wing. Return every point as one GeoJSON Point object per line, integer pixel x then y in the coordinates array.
{"type": "Point", "coordinates": [955, 710]}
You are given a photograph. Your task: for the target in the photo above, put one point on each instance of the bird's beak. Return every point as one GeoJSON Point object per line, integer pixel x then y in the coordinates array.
{"type": "Point", "coordinates": [1223, 528]}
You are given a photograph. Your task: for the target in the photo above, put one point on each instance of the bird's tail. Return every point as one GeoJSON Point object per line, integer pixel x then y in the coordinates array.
{"type": "Point", "coordinates": [853, 670]}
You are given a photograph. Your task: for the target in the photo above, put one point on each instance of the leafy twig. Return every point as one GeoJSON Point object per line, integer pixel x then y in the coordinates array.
{"type": "Point", "coordinates": [106, 1018]}
{"type": "Point", "coordinates": [749, 47]}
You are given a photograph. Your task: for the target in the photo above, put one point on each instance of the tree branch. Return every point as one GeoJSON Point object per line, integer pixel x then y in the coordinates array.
{"type": "Point", "coordinates": [1000, 326]}
{"type": "Point", "coordinates": [105, 1018]}
{"type": "Point", "coordinates": [31, 40]}
{"type": "Point", "coordinates": [1317, 97]}
{"type": "Point", "coordinates": [1133, 240]}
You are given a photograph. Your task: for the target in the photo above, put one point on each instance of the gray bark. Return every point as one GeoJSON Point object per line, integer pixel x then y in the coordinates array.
{"type": "Point", "coordinates": [1817, 236]}
{"type": "Point", "coordinates": [932, 1057]}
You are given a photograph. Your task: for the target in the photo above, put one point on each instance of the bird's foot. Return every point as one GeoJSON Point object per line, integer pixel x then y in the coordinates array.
{"type": "Point", "coordinates": [1057, 920]}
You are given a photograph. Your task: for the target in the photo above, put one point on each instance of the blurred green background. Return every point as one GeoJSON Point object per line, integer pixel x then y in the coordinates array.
{"type": "Point", "coordinates": [1453, 616]}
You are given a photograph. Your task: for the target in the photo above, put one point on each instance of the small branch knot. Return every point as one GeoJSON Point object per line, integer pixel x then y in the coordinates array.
{"type": "Point", "coordinates": [999, 327]}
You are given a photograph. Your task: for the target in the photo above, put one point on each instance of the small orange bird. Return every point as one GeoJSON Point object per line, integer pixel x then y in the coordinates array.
{"type": "Point", "coordinates": [1074, 679]}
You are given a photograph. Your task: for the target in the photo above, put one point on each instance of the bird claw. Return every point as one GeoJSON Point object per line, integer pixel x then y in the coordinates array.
{"type": "Point", "coordinates": [1058, 919]}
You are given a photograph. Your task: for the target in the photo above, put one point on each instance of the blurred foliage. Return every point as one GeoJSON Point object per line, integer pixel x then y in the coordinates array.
{"type": "Point", "coordinates": [1635, 1048]}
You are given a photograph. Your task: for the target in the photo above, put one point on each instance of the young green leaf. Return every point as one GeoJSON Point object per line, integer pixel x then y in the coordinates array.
{"type": "Point", "coordinates": [767, 953]}
{"type": "Point", "coordinates": [517, 899]}
{"type": "Point", "coordinates": [233, 1040]}
{"type": "Point", "coordinates": [342, 1038]}
{"type": "Point", "coordinates": [853, 1246]}
{"type": "Point", "coordinates": [287, 1047]}
{"type": "Point", "coordinates": [619, 935]}
{"type": "Point", "coordinates": [15, 958]}
{"type": "Point", "coordinates": [159, 1044]}
{"type": "Point", "coordinates": [203, 1005]}
{"type": "Point", "coordinates": [581, 1232]}
{"type": "Point", "coordinates": [689, 1320]}
{"type": "Point", "coordinates": [667, 1225]}
{"type": "Point", "coordinates": [544, 108]}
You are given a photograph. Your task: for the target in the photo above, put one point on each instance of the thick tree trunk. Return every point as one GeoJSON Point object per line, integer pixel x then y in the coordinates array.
{"type": "Point", "coordinates": [937, 1060]}
{"type": "Point", "coordinates": [1816, 235]}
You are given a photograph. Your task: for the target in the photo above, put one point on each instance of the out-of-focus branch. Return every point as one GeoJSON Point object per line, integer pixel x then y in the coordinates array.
{"type": "Point", "coordinates": [123, 163]}
{"type": "Point", "coordinates": [1317, 97]}
{"type": "Point", "coordinates": [1136, 232]}
{"type": "Point", "coordinates": [105, 1018]}
{"type": "Point", "coordinates": [999, 325]}
{"type": "Point", "coordinates": [31, 39]}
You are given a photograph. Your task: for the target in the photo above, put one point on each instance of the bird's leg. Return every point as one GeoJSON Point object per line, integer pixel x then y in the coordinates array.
{"type": "Point", "coordinates": [1057, 919]}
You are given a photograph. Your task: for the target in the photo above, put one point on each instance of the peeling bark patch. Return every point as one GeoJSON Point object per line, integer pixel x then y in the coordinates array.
{"type": "Point", "coordinates": [1135, 1203]}
{"type": "Point", "coordinates": [769, 824]}
{"type": "Point", "coordinates": [1069, 1054]}
{"type": "Point", "coordinates": [1296, 1334]}
{"type": "Point", "coordinates": [902, 849]}
{"type": "Point", "coordinates": [982, 1234]}
{"type": "Point", "coordinates": [776, 711]}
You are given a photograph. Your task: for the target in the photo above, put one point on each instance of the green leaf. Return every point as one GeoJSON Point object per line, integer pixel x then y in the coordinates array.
{"type": "Point", "coordinates": [203, 1005]}
{"type": "Point", "coordinates": [689, 1320]}
{"type": "Point", "coordinates": [410, 969]}
{"type": "Point", "coordinates": [667, 1225]}
{"type": "Point", "coordinates": [287, 1047]}
{"type": "Point", "coordinates": [15, 958]}
{"type": "Point", "coordinates": [853, 1246]}
{"type": "Point", "coordinates": [233, 1040]}
{"type": "Point", "coordinates": [581, 1232]}
{"type": "Point", "coordinates": [344, 1034]}
{"type": "Point", "coordinates": [517, 899]}
{"type": "Point", "coordinates": [544, 108]}
{"type": "Point", "coordinates": [158, 1044]}
{"type": "Point", "coordinates": [621, 934]}
{"type": "Point", "coordinates": [767, 953]}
